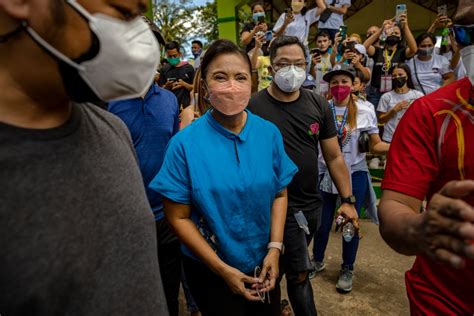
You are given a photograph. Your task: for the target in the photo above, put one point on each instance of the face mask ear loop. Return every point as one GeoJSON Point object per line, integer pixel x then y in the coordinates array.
{"type": "Point", "coordinates": [80, 9]}
{"type": "Point", "coordinates": [37, 38]}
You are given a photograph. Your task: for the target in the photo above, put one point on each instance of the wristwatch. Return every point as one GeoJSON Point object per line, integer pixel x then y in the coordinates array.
{"type": "Point", "coordinates": [277, 245]}
{"type": "Point", "coordinates": [349, 200]}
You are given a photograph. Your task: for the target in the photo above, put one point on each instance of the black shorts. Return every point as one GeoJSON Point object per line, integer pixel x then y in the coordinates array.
{"type": "Point", "coordinates": [296, 257]}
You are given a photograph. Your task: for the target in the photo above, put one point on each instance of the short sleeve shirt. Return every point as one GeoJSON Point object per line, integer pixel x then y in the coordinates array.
{"type": "Point", "coordinates": [366, 122]}
{"type": "Point", "coordinates": [184, 71]}
{"type": "Point", "coordinates": [431, 147]}
{"type": "Point", "coordinates": [335, 20]}
{"type": "Point", "coordinates": [302, 123]}
{"type": "Point", "coordinates": [300, 26]}
{"type": "Point", "coordinates": [430, 73]}
{"type": "Point", "coordinates": [152, 121]}
{"type": "Point", "coordinates": [230, 181]}
{"type": "Point", "coordinates": [387, 102]}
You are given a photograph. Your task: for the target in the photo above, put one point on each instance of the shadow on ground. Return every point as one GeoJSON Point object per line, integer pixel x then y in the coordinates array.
{"type": "Point", "coordinates": [378, 286]}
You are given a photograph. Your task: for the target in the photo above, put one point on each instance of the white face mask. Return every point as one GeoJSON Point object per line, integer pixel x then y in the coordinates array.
{"type": "Point", "coordinates": [467, 55]}
{"type": "Point", "coordinates": [124, 67]}
{"type": "Point", "coordinates": [290, 79]}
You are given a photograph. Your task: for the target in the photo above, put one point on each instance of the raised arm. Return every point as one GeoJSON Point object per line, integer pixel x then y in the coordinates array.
{"type": "Point", "coordinates": [411, 42]}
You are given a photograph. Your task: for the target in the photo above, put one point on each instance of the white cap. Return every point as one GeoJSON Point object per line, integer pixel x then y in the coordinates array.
{"type": "Point", "coordinates": [361, 49]}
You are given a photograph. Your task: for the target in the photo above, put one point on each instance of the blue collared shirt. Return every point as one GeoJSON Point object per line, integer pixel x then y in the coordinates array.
{"type": "Point", "coordinates": [152, 121]}
{"type": "Point", "coordinates": [231, 182]}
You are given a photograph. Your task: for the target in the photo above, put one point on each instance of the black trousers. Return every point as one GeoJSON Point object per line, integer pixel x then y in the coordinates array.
{"type": "Point", "coordinates": [169, 257]}
{"type": "Point", "coordinates": [214, 297]}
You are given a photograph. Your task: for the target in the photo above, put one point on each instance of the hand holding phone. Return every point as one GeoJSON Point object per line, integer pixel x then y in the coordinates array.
{"type": "Point", "coordinates": [399, 10]}
{"type": "Point", "coordinates": [443, 10]}
{"type": "Point", "coordinates": [343, 31]}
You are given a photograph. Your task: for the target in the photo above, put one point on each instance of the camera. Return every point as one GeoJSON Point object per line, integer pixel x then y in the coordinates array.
{"type": "Point", "coordinates": [350, 45]}
{"type": "Point", "coordinates": [315, 51]}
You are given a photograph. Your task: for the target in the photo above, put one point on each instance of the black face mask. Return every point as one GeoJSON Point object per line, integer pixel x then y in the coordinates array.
{"type": "Point", "coordinates": [392, 40]}
{"type": "Point", "coordinates": [399, 82]}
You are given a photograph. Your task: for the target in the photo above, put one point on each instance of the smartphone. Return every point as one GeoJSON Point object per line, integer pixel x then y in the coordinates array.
{"type": "Point", "coordinates": [399, 10]}
{"type": "Point", "coordinates": [171, 79]}
{"type": "Point", "coordinates": [268, 36]}
{"type": "Point", "coordinates": [289, 11]}
{"type": "Point", "coordinates": [261, 19]}
{"type": "Point", "coordinates": [350, 45]}
{"type": "Point", "coordinates": [315, 51]}
{"type": "Point", "coordinates": [343, 31]}
{"type": "Point", "coordinates": [443, 10]}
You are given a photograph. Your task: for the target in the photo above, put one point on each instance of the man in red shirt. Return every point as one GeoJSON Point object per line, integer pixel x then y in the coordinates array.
{"type": "Point", "coordinates": [432, 157]}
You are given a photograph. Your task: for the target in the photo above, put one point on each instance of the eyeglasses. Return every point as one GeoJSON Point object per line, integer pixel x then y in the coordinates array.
{"type": "Point", "coordinates": [464, 34]}
{"type": "Point", "coordinates": [264, 295]}
{"type": "Point", "coordinates": [300, 64]}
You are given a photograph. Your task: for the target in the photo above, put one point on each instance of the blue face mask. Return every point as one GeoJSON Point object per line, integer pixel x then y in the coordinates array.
{"type": "Point", "coordinates": [197, 53]}
{"type": "Point", "coordinates": [257, 15]}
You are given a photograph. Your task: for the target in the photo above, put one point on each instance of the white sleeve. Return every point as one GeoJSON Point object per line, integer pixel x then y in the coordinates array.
{"type": "Point", "coordinates": [384, 102]}
{"type": "Point", "coordinates": [312, 15]}
{"type": "Point", "coordinates": [279, 23]}
{"type": "Point", "coordinates": [373, 124]}
{"type": "Point", "coordinates": [445, 69]}
{"type": "Point", "coordinates": [347, 2]}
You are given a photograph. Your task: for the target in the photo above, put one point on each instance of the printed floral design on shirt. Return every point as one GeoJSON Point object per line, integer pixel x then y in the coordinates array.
{"type": "Point", "coordinates": [314, 129]}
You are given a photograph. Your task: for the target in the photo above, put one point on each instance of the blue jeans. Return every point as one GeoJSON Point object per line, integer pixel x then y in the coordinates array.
{"type": "Point", "coordinates": [349, 249]}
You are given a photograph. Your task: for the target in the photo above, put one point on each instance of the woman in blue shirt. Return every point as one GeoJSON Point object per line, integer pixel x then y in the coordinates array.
{"type": "Point", "coordinates": [224, 184]}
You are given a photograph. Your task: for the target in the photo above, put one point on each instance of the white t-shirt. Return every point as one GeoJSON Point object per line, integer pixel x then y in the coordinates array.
{"type": "Point", "coordinates": [459, 70]}
{"type": "Point", "coordinates": [429, 72]}
{"type": "Point", "coordinates": [335, 20]}
{"type": "Point", "coordinates": [387, 102]}
{"type": "Point", "coordinates": [366, 122]}
{"type": "Point", "coordinates": [300, 25]}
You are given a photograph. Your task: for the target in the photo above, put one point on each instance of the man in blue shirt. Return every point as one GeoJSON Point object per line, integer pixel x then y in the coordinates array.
{"type": "Point", "coordinates": [152, 120]}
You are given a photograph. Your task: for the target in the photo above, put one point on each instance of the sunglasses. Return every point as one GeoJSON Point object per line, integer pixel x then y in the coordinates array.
{"type": "Point", "coordinates": [464, 34]}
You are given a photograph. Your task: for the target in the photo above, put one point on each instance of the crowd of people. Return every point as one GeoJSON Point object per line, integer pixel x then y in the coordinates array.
{"type": "Point", "coordinates": [125, 175]}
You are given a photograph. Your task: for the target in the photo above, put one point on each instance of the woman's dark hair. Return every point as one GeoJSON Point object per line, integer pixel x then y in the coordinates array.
{"type": "Point", "coordinates": [222, 47]}
{"type": "Point", "coordinates": [282, 41]}
{"type": "Point", "coordinates": [260, 3]}
{"type": "Point", "coordinates": [424, 36]}
{"type": "Point", "coordinates": [408, 71]}
{"type": "Point", "coordinates": [359, 74]}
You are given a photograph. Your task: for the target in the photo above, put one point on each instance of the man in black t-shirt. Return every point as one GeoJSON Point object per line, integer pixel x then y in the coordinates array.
{"type": "Point", "coordinates": [304, 119]}
{"type": "Point", "coordinates": [177, 75]}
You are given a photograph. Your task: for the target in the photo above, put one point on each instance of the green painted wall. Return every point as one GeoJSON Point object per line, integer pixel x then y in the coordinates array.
{"type": "Point", "coordinates": [149, 12]}
{"type": "Point", "coordinates": [227, 20]}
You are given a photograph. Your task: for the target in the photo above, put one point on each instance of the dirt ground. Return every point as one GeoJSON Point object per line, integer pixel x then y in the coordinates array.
{"type": "Point", "coordinates": [378, 284]}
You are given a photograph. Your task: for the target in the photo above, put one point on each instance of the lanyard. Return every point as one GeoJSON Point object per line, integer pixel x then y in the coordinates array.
{"type": "Point", "coordinates": [388, 60]}
{"type": "Point", "coordinates": [325, 64]}
{"type": "Point", "coordinates": [339, 128]}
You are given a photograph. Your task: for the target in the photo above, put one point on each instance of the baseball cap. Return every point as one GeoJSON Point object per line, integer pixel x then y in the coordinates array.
{"type": "Point", "coordinates": [340, 69]}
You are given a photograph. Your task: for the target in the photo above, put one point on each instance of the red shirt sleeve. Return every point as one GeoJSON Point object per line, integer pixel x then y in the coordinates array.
{"type": "Point", "coordinates": [412, 162]}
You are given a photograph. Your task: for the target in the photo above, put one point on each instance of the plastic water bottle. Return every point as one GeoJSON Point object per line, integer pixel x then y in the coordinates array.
{"type": "Point", "coordinates": [348, 232]}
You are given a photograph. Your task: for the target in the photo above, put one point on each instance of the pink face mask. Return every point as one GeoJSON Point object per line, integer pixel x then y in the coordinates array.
{"type": "Point", "coordinates": [230, 97]}
{"type": "Point", "coordinates": [340, 92]}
